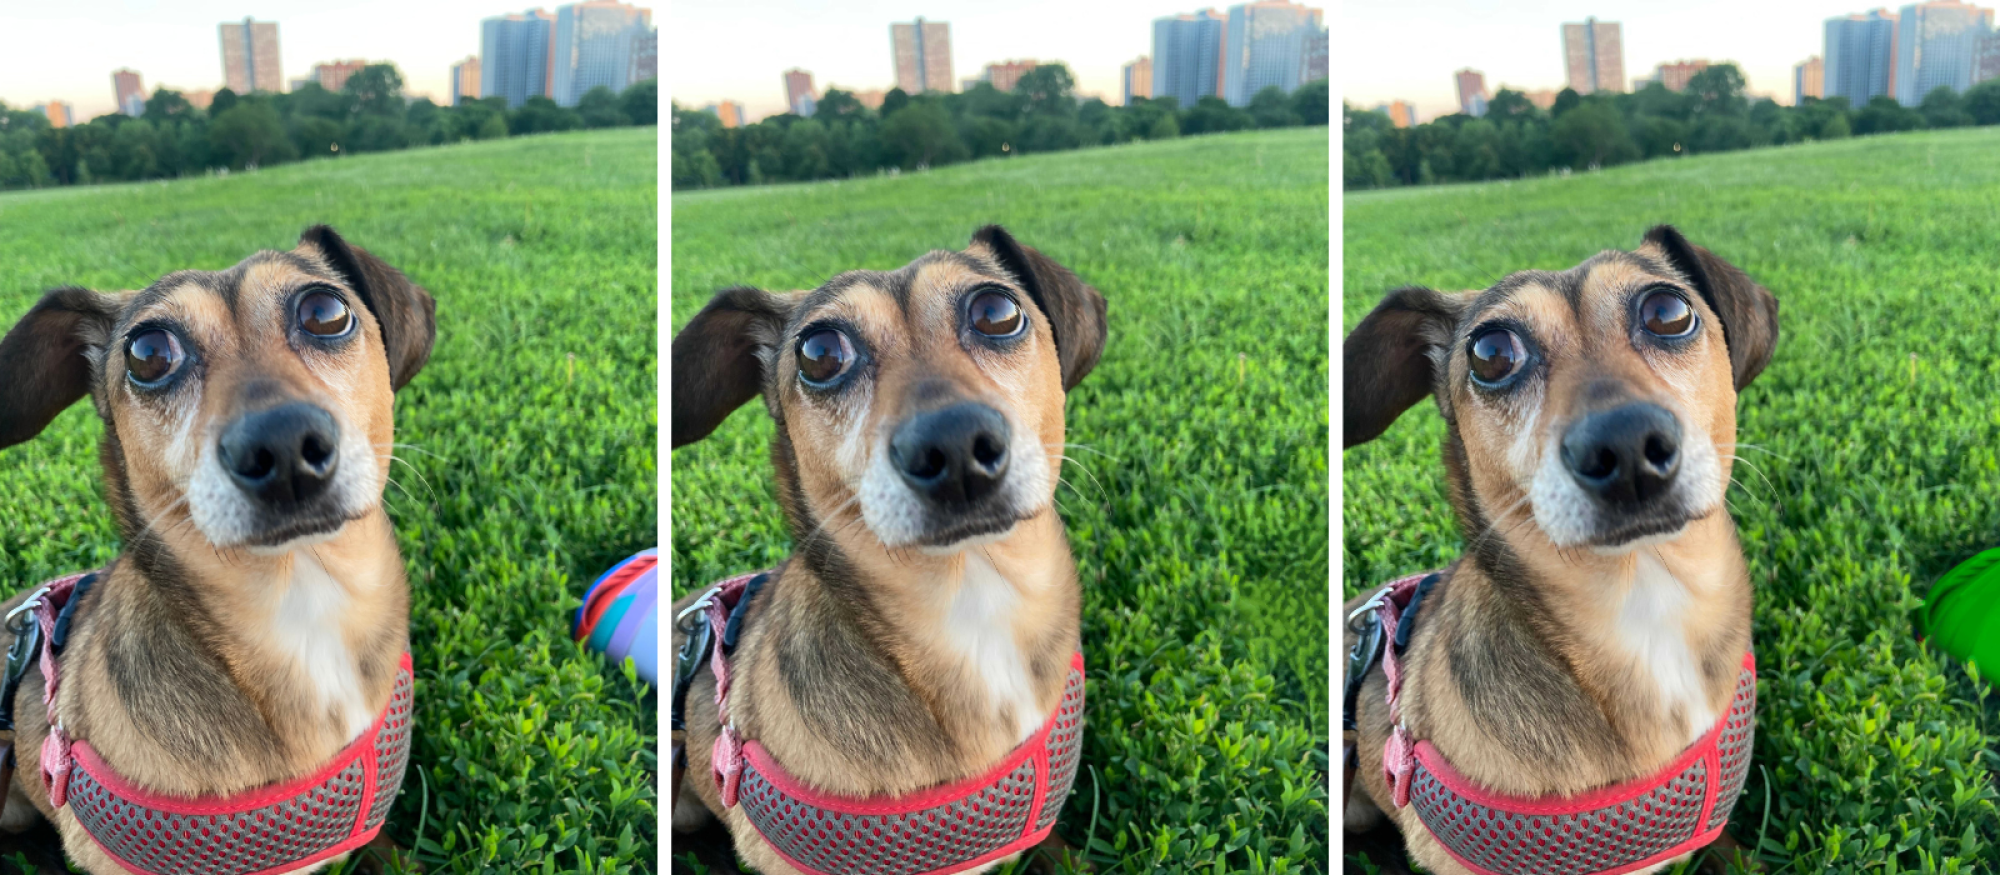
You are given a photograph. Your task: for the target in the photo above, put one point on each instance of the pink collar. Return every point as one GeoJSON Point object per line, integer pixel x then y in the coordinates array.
{"type": "Point", "coordinates": [276, 828]}
{"type": "Point", "coordinates": [1622, 828]}
{"type": "Point", "coordinates": [1008, 809]}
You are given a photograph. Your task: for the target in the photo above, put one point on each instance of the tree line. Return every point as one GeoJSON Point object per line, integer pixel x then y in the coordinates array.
{"type": "Point", "coordinates": [1516, 138]}
{"type": "Point", "coordinates": [174, 138]}
{"type": "Point", "coordinates": [844, 138]}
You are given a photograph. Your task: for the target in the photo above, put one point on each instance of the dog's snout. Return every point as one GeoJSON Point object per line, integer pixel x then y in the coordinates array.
{"type": "Point", "coordinates": [283, 455]}
{"type": "Point", "coordinates": [1626, 455]}
{"type": "Point", "coordinates": [954, 455]}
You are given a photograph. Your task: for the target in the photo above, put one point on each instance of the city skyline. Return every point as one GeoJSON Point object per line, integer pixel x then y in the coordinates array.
{"type": "Point", "coordinates": [1521, 48]}
{"type": "Point", "coordinates": [176, 45]}
{"type": "Point", "coordinates": [849, 47]}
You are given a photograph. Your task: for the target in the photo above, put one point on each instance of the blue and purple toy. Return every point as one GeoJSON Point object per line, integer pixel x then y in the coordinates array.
{"type": "Point", "coordinates": [620, 616]}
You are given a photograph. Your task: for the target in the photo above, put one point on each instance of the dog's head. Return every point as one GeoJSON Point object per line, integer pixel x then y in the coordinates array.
{"type": "Point", "coordinates": [927, 401]}
{"type": "Point", "coordinates": [252, 403]}
{"type": "Point", "coordinates": [1601, 399]}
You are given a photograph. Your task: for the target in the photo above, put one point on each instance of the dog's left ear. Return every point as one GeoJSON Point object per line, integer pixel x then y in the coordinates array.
{"type": "Point", "coordinates": [1076, 311]}
{"type": "Point", "coordinates": [44, 360]}
{"type": "Point", "coordinates": [405, 311]}
{"type": "Point", "coordinates": [1749, 312]}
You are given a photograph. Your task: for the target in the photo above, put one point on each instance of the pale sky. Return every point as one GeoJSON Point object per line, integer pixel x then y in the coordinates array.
{"type": "Point", "coordinates": [1409, 51]}
{"type": "Point", "coordinates": [66, 50]}
{"type": "Point", "coordinates": [739, 49]}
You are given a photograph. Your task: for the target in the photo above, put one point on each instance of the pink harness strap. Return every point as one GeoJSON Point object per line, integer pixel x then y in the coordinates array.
{"type": "Point", "coordinates": [271, 829]}
{"type": "Point", "coordinates": [1618, 829]}
{"type": "Point", "coordinates": [1008, 809]}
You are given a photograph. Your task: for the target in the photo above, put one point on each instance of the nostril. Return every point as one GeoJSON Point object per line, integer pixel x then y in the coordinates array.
{"type": "Point", "coordinates": [1599, 465]}
{"type": "Point", "coordinates": [256, 464]}
{"type": "Point", "coordinates": [315, 452]}
{"type": "Point", "coordinates": [929, 464]}
{"type": "Point", "coordinates": [1660, 452]}
{"type": "Point", "coordinates": [988, 452]}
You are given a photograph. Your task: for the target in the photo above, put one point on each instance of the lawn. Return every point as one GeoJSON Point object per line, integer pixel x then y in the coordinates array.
{"type": "Point", "coordinates": [1198, 513]}
{"type": "Point", "coordinates": [1876, 460]}
{"type": "Point", "coordinates": [529, 438]}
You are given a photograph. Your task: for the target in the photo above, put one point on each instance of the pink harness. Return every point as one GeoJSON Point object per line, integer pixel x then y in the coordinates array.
{"type": "Point", "coordinates": [275, 828]}
{"type": "Point", "coordinates": [1006, 810]}
{"type": "Point", "coordinates": [1622, 828]}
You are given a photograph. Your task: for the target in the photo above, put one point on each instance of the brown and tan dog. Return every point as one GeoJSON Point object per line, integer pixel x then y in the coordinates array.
{"type": "Point", "coordinates": [924, 625]}
{"type": "Point", "coordinates": [254, 623]}
{"type": "Point", "coordinates": [1594, 627]}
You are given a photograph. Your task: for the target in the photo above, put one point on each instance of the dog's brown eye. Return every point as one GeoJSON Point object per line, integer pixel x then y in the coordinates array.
{"type": "Point", "coordinates": [824, 355]}
{"type": "Point", "coordinates": [1666, 314]}
{"type": "Point", "coordinates": [1496, 355]}
{"type": "Point", "coordinates": [152, 356]}
{"type": "Point", "coordinates": [324, 315]}
{"type": "Point", "coordinates": [995, 315]}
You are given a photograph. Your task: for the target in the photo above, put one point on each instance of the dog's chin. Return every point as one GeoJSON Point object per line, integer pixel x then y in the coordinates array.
{"type": "Point", "coordinates": [966, 536]}
{"type": "Point", "coordinates": [1625, 536]}
{"type": "Point", "coordinates": [296, 532]}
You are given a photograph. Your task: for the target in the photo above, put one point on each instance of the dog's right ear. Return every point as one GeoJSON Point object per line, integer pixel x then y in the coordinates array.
{"type": "Point", "coordinates": [719, 358]}
{"type": "Point", "coordinates": [1386, 361]}
{"type": "Point", "coordinates": [44, 360]}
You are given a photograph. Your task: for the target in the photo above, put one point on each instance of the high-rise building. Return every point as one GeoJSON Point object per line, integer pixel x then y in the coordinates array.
{"type": "Point", "coordinates": [800, 95]}
{"type": "Point", "coordinates": [1400, 112]}
{"type": "Point", "coordinates": [1264, 45]}
{"type": "Point", "coordinates": [1006, 74]}
{"type": "Point", "coordinates": [645, 56]}
{"type": "Point", "coordinates": [131, 91]}
{"type": "Point", "coordinates": [1937, 46]}
{"type": "Point", "coordinates": [921, 51]}
{"type": "Point", "coordinates": [1593, 56]}
{"type": "Point", "coordinates": [1808, 80]}
{"type": "Point", "coordinates": [465, 80]}
{"type": "Point", "coordinates": [250, 57]}
{"type": "Point", "coordinates": [1545, 99]}
{"type": "Point", "coordinates": [1138, 77]}
{"type": "Point", "coordinates": [514, 56]}
{"type": "Point", "coordinates": [1675, 76]}
{"type": "Point", "coordinates": [1318, 50]}
{"type": "Point", "coordinates": [57, 112]}
{"type": "Point", "coordinates": [1860, 55]}
{"type": "Point", "coordinates": [594, 46]}
{"type": "Point", "coordinates": [1988, 66]}
{"type": "Point", "coordinates": [334, 76]}
{"type": "Point", "coordinates": [729, 111]}
{"type": "Point", "coordinates": [1472, 94]}
{"type": "Point", "coordinates": [1187, 56]}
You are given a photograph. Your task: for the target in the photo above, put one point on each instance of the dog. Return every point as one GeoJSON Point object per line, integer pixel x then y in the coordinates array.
{"type": "Point", "coordinates": [254, 624]}
{"type": "Point", "coordinates": [1596, 625]}
{"type": "Point", "coordinates": [925, 624]}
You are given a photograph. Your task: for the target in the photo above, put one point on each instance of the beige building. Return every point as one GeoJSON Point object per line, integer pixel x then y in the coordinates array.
{"type": "Point", "coordinates": [465, 80]}
{"type": "Point", "coordinates": [1544, 99]}
{"type": "Point", "coordinates": [131, 91]}
{"type": "Point", "coordinates": [334, 76]}
{"type": "Point", "coordinates": [1472, 94]}
{"type": "Point", "coordinates": [729, 111]}
{"type": "Point", "coordinates": [1007, 74]}
{"type": "Point", "coordinates": [922, 53]}
{"type": "Point", "coordinates": [1677, 74]}
{"type": "Point", "coordinates": [1593, 56]}
{"type": "Point", "coordinates": [58, 114]}
{"type": "Point", "coordinates": [1808, 79]}
{"type": "Point", "coordinates": [1138, 77]}
{"type": "Point", "coordinates": [1401, 113]}
{"type": "Point", "coordinates": [250, 57]}
{"type": "Point", "coordinates": [800, 96]}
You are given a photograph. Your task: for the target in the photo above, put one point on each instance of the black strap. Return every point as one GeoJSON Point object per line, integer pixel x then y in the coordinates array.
{"type": "Point", "coordinates": [1368, 647]}
{"type": "Point", "coordinates": [740, 610]}
{"type": "Point", "coordinates": [60, 635]}
{"type": "Point", "coordinates": [701, 641]}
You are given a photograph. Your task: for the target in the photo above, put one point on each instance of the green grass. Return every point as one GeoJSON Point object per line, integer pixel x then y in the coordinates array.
{"type": "Point", "coordinates": [1198, 516]}
{"type": "Point", "coordinates": [531, 455]}
{"type": "Point", "coordinates": [1876, 427]}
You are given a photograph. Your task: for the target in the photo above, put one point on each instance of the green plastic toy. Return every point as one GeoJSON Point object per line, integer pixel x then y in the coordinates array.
{"type": "Point", "coordinates": [1962, 612]}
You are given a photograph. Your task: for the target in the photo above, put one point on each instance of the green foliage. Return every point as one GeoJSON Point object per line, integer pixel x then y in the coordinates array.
{"type": "Point", "coordinates": [370, 113]}
{"type": "Point", "coordinates": [1870, 455]}
{"type": "Point", "coordinates": [912, 131]}
{"type": "Point", "coordinates": [1584, 132]}
{"type": "Point", "coordinates": [525, 456]}
{"type": "Point", "coordinates": [1195, 495]}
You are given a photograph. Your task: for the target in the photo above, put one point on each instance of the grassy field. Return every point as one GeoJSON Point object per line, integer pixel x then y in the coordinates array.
{"type": "Point", "coordinates": [530, 441]}
{"type": "Point", "coordinates": [1199, 516]}
{"type": "Point", "coordinates": [1877, 460]}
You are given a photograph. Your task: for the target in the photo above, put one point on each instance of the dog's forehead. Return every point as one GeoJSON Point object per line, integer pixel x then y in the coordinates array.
{"type": "Point", "coordinates": [907, 293]}
{"type": "Point", "coordinates": [225, 295]}
{"type": "Point", "coordinates": [1582, 293]}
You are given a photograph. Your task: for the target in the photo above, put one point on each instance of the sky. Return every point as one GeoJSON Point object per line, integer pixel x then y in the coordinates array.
{"type": "Point", "coordinates": [740, 50]}
{"type": "Point", "coordinates": [67, 50]}
{"type": "Point", "coordinates": [1520, 45]}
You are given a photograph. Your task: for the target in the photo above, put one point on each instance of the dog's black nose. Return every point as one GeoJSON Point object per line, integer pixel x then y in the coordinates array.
{"type": "Point", "coordinates": [1625, 455]}
{"type": "Point", "coordinates": [955, 455]}
{"type": "Point", "coordinates": [283, 455]}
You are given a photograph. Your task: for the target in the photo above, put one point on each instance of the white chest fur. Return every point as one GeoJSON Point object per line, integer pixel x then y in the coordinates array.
{"type": "Point", "coordinates": [306, 627]}
{"type": "Point", "coordinates": [979, 625]}
{"type": "Point", "coordinates": [1652, 625]}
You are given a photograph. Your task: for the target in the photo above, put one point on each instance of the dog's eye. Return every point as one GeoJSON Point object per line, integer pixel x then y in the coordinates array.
{"type": "Point", "coordinates": [1666, 314]}
{"type": "Point", "coordinates": [824, 355]}
{"type": "Point", "coordinates": [152, 356]}
{"type": "Point", "coordinates": [996, 315]}
{"type": "Point", "coordinates": [1496, 355]}
{"type": "Point", "coordinates": [323, 315]}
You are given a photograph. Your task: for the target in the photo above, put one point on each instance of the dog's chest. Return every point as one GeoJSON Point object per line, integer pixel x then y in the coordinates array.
{"type": "Point", "coordinates": [306, 629]}
{"type": "Point", "coordinates": [979, 627]}
{"type": "Point", "coordinates": [1652, 626]}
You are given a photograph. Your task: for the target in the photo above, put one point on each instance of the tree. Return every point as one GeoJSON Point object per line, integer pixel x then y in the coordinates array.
{"type": "Point", "coordinates": [377, 90]}
{"type": "Point", "coordinates": [599, 108]}
{"type": "Point", "coordinates": [1592, 135]}
{"type": "Point", "coordinates": [1718, 90]}
{"type": "Point", "coordinates": [165, 105]}
{"type": "Point", "coordinates": [1508, 104]}
{"type": "Point", "coordinates": [1212, 115]}
{"type": "Point", "coordinates": [540, 115]}
{"type": "Point", "coordinates": [920, 135]}
{"type": "Point", "coordinates": [836, 104]}
{"type": "Point", "coordinates": [1943, 108]}
{"type": "Point", "coordinates": [1313, 102]}
{"type": "Point", "coordinates": [893, 102]}
{"type": "Point", "coordinates": [250, 134]}
{"type": "Point", "coordinates": [317, 137]}
{"type": "Point", "coordinates": [641, 102]}
{"type": "Point", "coordinates": [1884, 115]}
{"type": "Point", "coordinates": [1982, 102]}
{"type": "Point", "coordinates": [1566, 100]}
{"type": "Point", "coordinates": [223, 101]}
{"type": "Point", "coordinates": [1048, 90]}
{"type": "Point", "coordinates": [1270, 108]}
